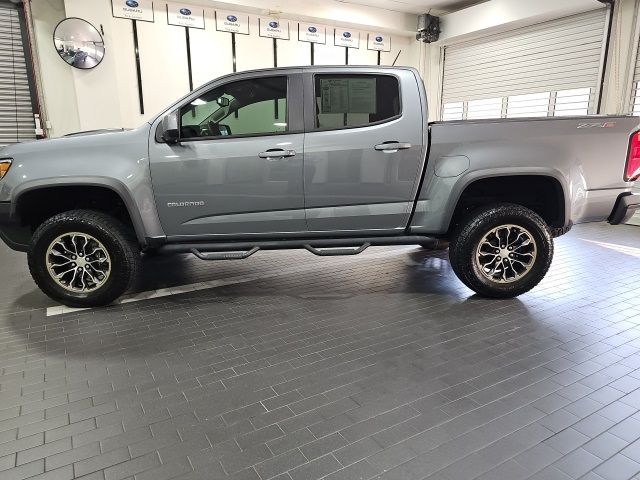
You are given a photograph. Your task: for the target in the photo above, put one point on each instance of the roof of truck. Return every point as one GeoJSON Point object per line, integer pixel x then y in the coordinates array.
{"type": "Point", "coordinates": [330, 67]}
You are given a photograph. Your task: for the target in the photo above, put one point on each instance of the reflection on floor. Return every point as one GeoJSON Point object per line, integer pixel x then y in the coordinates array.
{"type": "Point", "coordinates": [292, 367]}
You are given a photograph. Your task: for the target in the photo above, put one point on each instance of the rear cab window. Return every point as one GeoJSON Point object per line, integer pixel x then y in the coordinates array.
{"type": "Point", "coordinates": [355, 100]}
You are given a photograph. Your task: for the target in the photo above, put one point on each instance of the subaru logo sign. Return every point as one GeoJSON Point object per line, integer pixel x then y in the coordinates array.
{"type": "Point", "coordinates": [273, 24]}
{"type": "Point", "coordinates": [185, 11]}
{"type": "Point", "coordinates": [232, 18]}
{"type": "Point", "coordinates": [132, 3]}
{"type": "Point", "coordinates": [378, 39]}
{"type": "Point", "coordinates": [346, 35]}
{"type": "Point", "coordinates": [313, 29]}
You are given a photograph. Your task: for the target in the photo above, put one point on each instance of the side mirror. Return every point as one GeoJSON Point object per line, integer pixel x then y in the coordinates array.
{"type": "Point", "coordinates": [170, 130]}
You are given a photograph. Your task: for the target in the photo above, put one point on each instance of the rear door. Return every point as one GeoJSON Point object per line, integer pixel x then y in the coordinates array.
{"type": "Point", "coordinates": [364, 148]}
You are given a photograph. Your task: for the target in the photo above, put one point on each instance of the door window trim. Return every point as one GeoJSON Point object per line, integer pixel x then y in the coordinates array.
{"type": "Point", "coordinates": [242, 135]}
{"type": "Point", "coordinates": [314, 126]}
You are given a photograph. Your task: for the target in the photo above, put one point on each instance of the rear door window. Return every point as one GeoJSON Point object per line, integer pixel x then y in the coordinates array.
{"type": "Point", "coordinates": [353, 100]}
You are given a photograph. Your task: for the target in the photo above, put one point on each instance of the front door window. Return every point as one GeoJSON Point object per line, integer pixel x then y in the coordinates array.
{"type": "Point", "coordinates": [244, 108]}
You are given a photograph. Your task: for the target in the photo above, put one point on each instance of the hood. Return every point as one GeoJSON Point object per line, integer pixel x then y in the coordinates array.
{"type": "Point", "coordinates": [88, 139]}
{"type": "Point", "coordinates": [96, 132]}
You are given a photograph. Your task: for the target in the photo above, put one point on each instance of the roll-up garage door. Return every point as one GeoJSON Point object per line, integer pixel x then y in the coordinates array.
{"type": "Point", "coordinates": [16, 110]}
{"type": "Point", "coordinates": [635, 94]}
{"type": "Point", "coordinates": [548, 69]}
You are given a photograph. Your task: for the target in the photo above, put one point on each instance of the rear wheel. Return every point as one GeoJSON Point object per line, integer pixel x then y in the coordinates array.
{"type": "Point", "coordinates": [83, 258]}
{"type": "Point", "coordinates": [501, 251]}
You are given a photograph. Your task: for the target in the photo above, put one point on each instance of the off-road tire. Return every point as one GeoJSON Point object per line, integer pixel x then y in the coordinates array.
{"type": "Point", "coordinates": [470, 232]}
{"type": "Point", "coordinates": [118, 239]}
{"type": "Point", "coordinates": [560, 231]}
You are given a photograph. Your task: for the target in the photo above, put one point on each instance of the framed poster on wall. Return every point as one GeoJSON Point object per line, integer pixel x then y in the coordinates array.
{"type": "Point", "coordinates": [185, 16]}
{"type": "Point", "coordinates": [274, 28]}
{"type": "Point", "coordinates": [311, 32]}
{"type": "Point", "coordinates": [379, 41]}
{"type": "Point", "coordinates": [133, 9]}
{"type": "Point", "coordinates": [232, 22]}
{"type": "Point", "coordinates": [346, 38]}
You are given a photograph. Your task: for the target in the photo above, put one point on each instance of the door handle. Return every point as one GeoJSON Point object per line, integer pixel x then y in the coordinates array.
{"type": "Point", "coordinates": [277, 153]}
{"type": "Point", "coordinates": [392, 147]}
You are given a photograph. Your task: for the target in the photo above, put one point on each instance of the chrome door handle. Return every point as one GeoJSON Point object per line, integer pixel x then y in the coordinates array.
{"type": "Point", "coordinates": [392, 147]}
{"type": "Point", "coordinates": [277, 153]}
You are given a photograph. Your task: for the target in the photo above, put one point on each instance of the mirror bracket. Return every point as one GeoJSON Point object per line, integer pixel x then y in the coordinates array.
{"type": "Point", "coordinates": [170, 140]}
{"type": "Point", "coordinates": [170, 128]}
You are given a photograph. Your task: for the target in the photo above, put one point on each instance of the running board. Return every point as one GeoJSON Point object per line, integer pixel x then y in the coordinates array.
{"type": "Point", "coordinates": [238, 250]}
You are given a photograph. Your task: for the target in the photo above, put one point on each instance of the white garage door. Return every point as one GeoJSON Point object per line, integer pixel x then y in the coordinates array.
{"type": "Point", "coordinates": [549, 69]}
{"type": "Point", "coordinates": [16, 111]}
{"type": "Point", "coordinates": [635, 100]}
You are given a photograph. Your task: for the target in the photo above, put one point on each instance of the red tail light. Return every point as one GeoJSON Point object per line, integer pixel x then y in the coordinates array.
{"type": "Point", "coordinates": [632, 172]}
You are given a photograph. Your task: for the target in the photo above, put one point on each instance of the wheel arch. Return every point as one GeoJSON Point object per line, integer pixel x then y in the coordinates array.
{"type": "Point", "coordinates": [526, 180]}
{"type": "Point", "coordinates": [51, 185]}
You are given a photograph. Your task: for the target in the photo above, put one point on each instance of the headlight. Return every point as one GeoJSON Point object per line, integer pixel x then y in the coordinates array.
{"type": "Point", "coordinates": [5, 165]}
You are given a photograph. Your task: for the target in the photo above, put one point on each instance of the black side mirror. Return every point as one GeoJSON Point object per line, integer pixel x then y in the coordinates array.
{"type": "Point", "coordinates": [170, 130]}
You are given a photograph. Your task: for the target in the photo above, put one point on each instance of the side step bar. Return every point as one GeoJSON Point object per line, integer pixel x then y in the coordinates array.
{"type": "Point", "coordinates": [331, 246]}
{"type": "Point", "coordinates": [224, 255]}
{"type": "Point", "coordinates": [333, 252]}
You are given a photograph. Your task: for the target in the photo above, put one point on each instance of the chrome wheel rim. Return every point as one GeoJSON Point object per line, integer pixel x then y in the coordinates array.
{"type": "Point", "coordinates": [78, 262]}
{"type": "Point", "coordinates": [506, 254]}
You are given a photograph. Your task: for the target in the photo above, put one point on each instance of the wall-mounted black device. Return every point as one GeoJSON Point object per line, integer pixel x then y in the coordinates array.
{"type": "Point", "coordinates": [428, 28]}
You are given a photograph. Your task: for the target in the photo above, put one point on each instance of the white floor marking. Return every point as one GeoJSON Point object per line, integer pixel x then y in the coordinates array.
{"type": "Point", "coordinates": [177, 290]}
{"type": "Point", "coordinates": [633, 251]}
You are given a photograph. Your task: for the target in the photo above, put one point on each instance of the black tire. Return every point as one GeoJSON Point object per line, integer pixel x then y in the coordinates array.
{"type": "Point", "coordinates": [560, 231]}
{"type": "Point", "coordinates": [467, 237]}
{"type": "Point", "coordinates": [117, 239]}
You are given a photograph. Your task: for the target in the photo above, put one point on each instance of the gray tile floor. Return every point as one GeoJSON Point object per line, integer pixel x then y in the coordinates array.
{"type": "Point", "coordinates": [377, 366]}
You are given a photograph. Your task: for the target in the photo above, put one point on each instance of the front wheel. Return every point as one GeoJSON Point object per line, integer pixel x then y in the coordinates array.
{"type": "Point", "coordinates": [84, 258]}
{"type": "Point", "coordinates": [501, 251]}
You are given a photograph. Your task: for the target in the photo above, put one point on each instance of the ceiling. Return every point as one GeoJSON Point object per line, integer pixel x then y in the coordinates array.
{"type": "Point", "coordinates": [417, 6]}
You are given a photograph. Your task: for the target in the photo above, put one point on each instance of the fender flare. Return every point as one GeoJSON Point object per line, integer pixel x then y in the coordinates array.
{"type": "Point", "coordinates": [471, 177]}
{"type": "Point", "coordinates": [112, 184]}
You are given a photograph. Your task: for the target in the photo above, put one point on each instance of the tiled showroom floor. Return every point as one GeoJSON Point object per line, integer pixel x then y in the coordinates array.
{"type": "Point", "coordinates": [297, 367]}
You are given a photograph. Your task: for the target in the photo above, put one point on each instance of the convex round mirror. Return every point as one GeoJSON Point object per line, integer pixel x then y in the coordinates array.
{"type": "Point", "coordinates": [79, 43]}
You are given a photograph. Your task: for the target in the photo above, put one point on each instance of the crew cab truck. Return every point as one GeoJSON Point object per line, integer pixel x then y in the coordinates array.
{"type": "Point", "coordinates": [331, 159]}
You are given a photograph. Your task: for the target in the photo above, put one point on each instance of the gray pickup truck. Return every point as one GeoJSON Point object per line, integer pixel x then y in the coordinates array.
{"type": "Point", "coordinates": [331, 159]}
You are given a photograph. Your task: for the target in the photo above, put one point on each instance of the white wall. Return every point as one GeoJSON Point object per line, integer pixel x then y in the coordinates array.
{"type": "Point", "coordinates": [356, 15]}
{"type": "Point", "coordinates": [210, 52]}
{"type": "Point", "coordinates": [58, 87]}
{"type": "Point", "coordinates": [107, 96]}
{"type": "Point", "coordinates": [95, 88]}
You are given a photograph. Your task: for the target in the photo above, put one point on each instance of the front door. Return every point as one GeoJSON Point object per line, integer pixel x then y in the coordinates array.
{"type": "Point", "coordinates": [363, 150]}
{"type": "Point", "coordinates": [238, 166]}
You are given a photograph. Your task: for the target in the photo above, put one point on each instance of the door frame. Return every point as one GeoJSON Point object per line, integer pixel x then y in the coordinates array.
{"type": "Point", "coordinates": [295, 119]}
{"type": "Point", "coordinates": [400, 74]}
